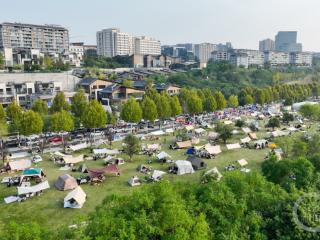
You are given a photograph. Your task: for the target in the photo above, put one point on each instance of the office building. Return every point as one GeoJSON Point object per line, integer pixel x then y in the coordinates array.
{"type": "Point", "coordinates": [239, 59]}
{"type": "Point", "coordinates": [147, 46]}
{"type": "Point", "coordinates": [301, 59]}
{"type": "Point", "coordinates": [111, 42]}
{"type": "Point", "coordinates": [266, 45]}
{"type": "Point", "coordinates": [277, 58]}
{"type": "Point", "coordinates": [46, 38]}
{"type": "Point", "coordinates": [287, 42]}
{"type": "Point", "coordinates": [218, 56]}
{"type": "Point", "coordinates": [203, 51]}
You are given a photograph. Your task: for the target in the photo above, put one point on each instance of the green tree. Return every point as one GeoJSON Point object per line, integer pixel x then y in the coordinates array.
{"type": "Point", "coordinates": [61, 121]}
{"type": "Point", "coordinates": [111, 118]}
{"type": "Point", "coordinates": [210, 104]}
{"type": "Point", "coordinates": [175, 105]}
{"type": "Point", "coordinates": [2, 114]}
{"type": "Point", "coordinates": [225, 132]}
{"type": "Point", "coordinates": [233, 101]}
{"type": "Point", "coordinates": [94, 115]}
{"type": "Point", "coordinates": [240, 123]}
{"type": "Point", "coordinates": [127, 83]}
{"type": "Point", "coordinates": [14, 113]}
{"type": "Point", "coordinates": [31, 123]}
{"type": "Point", "coordinates": [132, 145]}
{"type": "Point", "coordinates": [194, 104]}
{"type": "Point", "coordinates": [59, 103]}
{"type": "Point", "coordinates": [273, 123]}
{"type": "Point", "coordinates": [149, 109]}
{"type": "Point", "coordinates": [163, 106]}
{"type": "Point", "coordinates": [260, 97]}
{"type": "Point", "coordinates": [249, 99]}
{"type": "Point", "coordinates": [40, 107]}
{"type": "Point", "coordinates": [131, 111]}
{"type": "Point", "coordinates": [48, 62]}
{"type": "Point", "coordinates": [287, 117]}
{"type": "Point", "coordinates": [79, 104]}
{"type": "Point", "coordinates": [1, 61]}
{"type": "Point", "coordinates": [220, 100]}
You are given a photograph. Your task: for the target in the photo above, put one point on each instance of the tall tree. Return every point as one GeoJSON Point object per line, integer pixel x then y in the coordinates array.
{"type": "Point", "coordinates": [79, 104]}
{"type": "Point", "coordinates": [61, 121]}
{"type": "Point", "coordinates": [59, 103]}
{"type": "Point", "coordinates": [40, 107]}
{"type": "Point", "coordinates": [163, 106]}
{"type": "Point", "coordinates": [132, 145]}
{"type": "Point", "coordinates": [149, 109]}
{"type": "Point", "coordinates": [48, 62]}
{"type": "Point", "coordinates": [2, 114]}
{"type": "Point", "coordinates": [233, 101]}
{"type": "Point", "coordinates": [249, 99]}
{"type": "Point", "coordinates": [194, 104]}
{"type": "Point", "coordinates": [175, 105]}
{"type": "Point", "coordinates": [31, 123]}
{"type": "Point", "coordinates": [14, 113]}
{"type": "Point", "coordinates": [111, 118]}
{"type": "Point", "coordinates": [210, 104]}
{"type": "Point", "coordinates": [221, 101]}
{"type": "Point", "coordinates": [94, 115]}
{"type": "Point", "coordinates": [1, 61]}
{"type": "Point", "coordinates": [225, 131]}
{"type": "Point", "coordinates": [131, 111]}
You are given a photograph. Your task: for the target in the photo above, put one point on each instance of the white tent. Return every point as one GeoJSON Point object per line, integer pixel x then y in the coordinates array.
{"type": "Point", "coordinates": [163, 155]}
{"type": "Point", "coordinates": [33, 189]}
{"type": "Point", "coordinates": [184, 167]}
{"type": "Point", "coordinates": [227, 122]}
{"type": "Point", "coordinates": [19, 165]}
{"type": "Point", "coordinates": [278, 133]}
{"type": "Point", "coordinates": [214, 171]}
{"type": "Point", "coordinates": [134, 181]}
{"type": "Point", "coordinates": [246, 130]}
{"type": "Point", "coordinates": [106, 151]}
{"type": "Point", "coordinates": [189, 127]}
{"type": "Point", "coordinates": [233, 146]}
{"type": "Point", "coordinates": [18, 155]}
{"type": "Point", "coordinates": [157, 133]}
{"type": "Point", "coordinates": [153, 147]}
{"type": "Point", "coordinates": [169, 130]}
{"type": "Point", "coordinates": [199, 130]}
{"type": "Point", "coordinates": [156, 175]}
{"type": "Point", "coordinates": [242, 162]}
{"type": "Point", "coordinates": [245, 140]}
{"type": "Point", "coordinates": [212, 149]}
{"type": "Point", "coordinates": [75, 199]}
{"type": "Point", "coordinates": [213, 135]}
{"type": "Point", "coordinates": [78, 147]}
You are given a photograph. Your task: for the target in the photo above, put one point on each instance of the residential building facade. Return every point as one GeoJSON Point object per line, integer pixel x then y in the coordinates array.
{"type": "Point", "coordinates": [266, 45]}
{"type": "Point", "coordinates": [147, 46]}
{"type": "Point", "coordinates": [203, 51]}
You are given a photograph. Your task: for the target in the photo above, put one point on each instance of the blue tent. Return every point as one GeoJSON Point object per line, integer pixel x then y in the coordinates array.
{"type": "Point", "coordinates": [191, 151]}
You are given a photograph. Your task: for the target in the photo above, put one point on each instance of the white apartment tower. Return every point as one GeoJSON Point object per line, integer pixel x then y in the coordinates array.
{"type": "Point", "coordinates": [46, 38]}
{"type": "Point", "coordinates": [111, 42]}
{"type": "Point", "coordinates": [147, 46]}
{"type": "Point", "coordinates": [203, 51]}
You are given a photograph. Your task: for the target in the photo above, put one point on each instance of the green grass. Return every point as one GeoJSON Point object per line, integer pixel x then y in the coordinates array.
{"type": "Point", "coordinates": [48, 210]}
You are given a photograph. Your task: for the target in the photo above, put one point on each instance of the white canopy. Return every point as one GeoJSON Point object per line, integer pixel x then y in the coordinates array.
{"type": "Point", "coordinates": [292, 129]}
{"type": "Point", "coordinates": [19, 155]}
{"type": "Point", "coordinates": [19, 165]}
{"type": "Point", "coordinates": [33, 189]}
{"type": "Point", "coordinates": [212, 149]}
{"type": "Point", "coordinates": [189, 127]}
{"type": "Point", "coordinates": [184, 167]}
{"type": "Point", "coordinates": [199, 130]}
{"type": "Point", "coordinates": [163, 155]}
{"type": "Point", "coordinates": [78, 146]}
{"type": "Point", "coordinates": [106, 151]}
{"type": "Point", "coordinates": [246, 130]}
{"type": "Point", "coordinates": [157, 174]}
{"type": "Point", "coordinates": [213, 135]}
{"type": "Point", "coordinates": [242, 162]}
{"type": "Point", "coordinates": [214, 171]}
{"type": "Point", "coordinates": [233, 146]}
{"type": "Point", "coordinates": [69, 159]}
{"type": "Point", "coordinates": [169, 130]}
{"type": "Point", "coordinates": [245, 140]}
{"type": "Point", "coordinates": [154, 147]}
{"type": "Point", "coordinates": [278, 133]}
{"type": "Point", "coordinates": [75, 199]}
{"type": "Point", "coordinates": [157, 133]}
{"type": "Point", "coordinates": [227, 122]}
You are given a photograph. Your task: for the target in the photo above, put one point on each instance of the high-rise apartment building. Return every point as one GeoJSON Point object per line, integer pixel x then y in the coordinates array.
{"type": "Point", "coordinates": [287, 42]}
{"type": "Point", "coordinates": [266, 45]}
{"type": "Point", "coordinates": [147, 46]}
{"type": "Point", "coordinates": [111, 42]}
{"type": "Point", "coordinates": [203, 51]}
{"type": "Point", "coordinates": [46, 38]}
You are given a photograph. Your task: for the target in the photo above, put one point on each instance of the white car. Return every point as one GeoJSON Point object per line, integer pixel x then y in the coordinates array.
{"type": "Point", "coordinates": [37, 158]}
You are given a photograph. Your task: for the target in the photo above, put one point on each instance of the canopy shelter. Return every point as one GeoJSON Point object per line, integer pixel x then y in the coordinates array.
{"type": "Point", "coordinates": [19, 165]}
{"type": "Point", "coordinates": [279, 133]}
{"type": "Point", "coordinates": [214, 171]}
{"type": "Point", "coordinates": [245, 140]}
{"type": "Point", "coordinates": [242, 162]}
{"type": "Point", "coordinates": [104, 151]}
{"type": "Point", "coordinates": [195, 141]}
{"type": "Point", "coordinates": [246, 130]}
{"type": "Point", "coordinates": [233, 146]}
{"type": "Point", "coordinates": [83, 168]}
{"type": "Point", "coordinates": [169, 130]}
{"type": "Point", "coordinates": [183, 167]}
{"type": "Point", "coordinates": [197, 163]}
{"type": "Point", "coordinates": [153, 147]}
{"type": "Point", "coordinates": [33, 189]}
{"type": "Point", "coordinates": [77, 147]}
{"type": "Point", "coordinates": [134, 181]}
{"type": "Point", "coordinates": [163, 156]}
{"type": "Point", "coordinates": [189, 127]}
{"type": "Point", "coordinates": [66, 182]}
{"type": "Point", "coordinates": [261, 143]}
{"type": "Point", "coordinates": [75, 198]}
{"type": "Point", "coordinates": [112, 169]}
{"type": "Point", "coordinates": [199, 131]}
{"type": "Point", "coordinates": [212, 150]}
{"type": "Point", "coordinates": [253, 136]}
{"type": "Point", "coordinates": [213, 135]}
{"type": "Point", "coordinates": [32, 173]}
{"type": "Point", "coordinates": [227, 122]}
{"type": "Point", "coordinates": [157, 133]}
{"type": "Point", "coordinates": [183, 145]}
{"type": "Point", "coordinates": [69, 159]}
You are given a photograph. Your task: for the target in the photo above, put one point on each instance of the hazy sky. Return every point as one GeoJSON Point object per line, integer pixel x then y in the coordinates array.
{"type": "Point", "coordinates": [243, 22]}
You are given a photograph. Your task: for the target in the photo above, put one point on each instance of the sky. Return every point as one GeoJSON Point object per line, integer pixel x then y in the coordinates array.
{"type": "Point", "coordinates": [242, 22]}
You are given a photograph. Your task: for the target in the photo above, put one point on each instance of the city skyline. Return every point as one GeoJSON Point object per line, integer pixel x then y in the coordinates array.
{"type": "Point", "coordinates": [220, 21]}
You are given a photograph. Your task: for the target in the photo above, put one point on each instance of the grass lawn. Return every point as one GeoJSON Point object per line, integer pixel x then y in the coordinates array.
{"type": "Point", "coordinates": [48, 210]}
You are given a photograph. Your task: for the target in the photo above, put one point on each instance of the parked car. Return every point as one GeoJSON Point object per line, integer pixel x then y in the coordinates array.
{"type": "Point", "coordinates": [55, 139]}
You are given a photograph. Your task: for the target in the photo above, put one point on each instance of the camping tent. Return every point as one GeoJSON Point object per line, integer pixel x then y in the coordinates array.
{"type": "Point", "coordinates": [111, 168]}
{"type": "Point", "coordinates": [233, 146]}
{"type": "Point", "coordinates": [185, 144]}
{"type": "Point", "coordinates": [214, 171]}
{"type": "Point", "coordinates": [19, 165]}
{"type": "Point", "coordinates": [199, 131]}
{"type": "Point", "coordinates": [246, 130]}
{"type": "Point", "coordinates": [32, 172]}
{"type": "Point", "coordinates": [33, 189]}
{"type": "Point", "coordinates": [157, 133]}
{"type": "Point", "coordinates": [157, 175]}
{"type": "Point", "coordinates": [66, 182]}
{"type": "Point", "coordinates": [83, 168]}
{"type": "Point", "coordinates": [134, 181]}
{"type": "Point", "coordinates": [189, 127]}
{"type": "Point", "coordinates": [105, 151]}
{"type": "Point", "coordinates": [227, 122]}
{"type": "Point", "coordinates": [169, 130]}
{"type": "Point", "coordinates": [213, 135]}
{"type": "Point", "coordinates": [183, 167]}
{"type": "Point", "coordinates": [242, 162]}
{"type": "Point", "coordinates": [75, 198]}
{"type": "Point", "coordinates": [163, 155]}
{"type": "Point", "coordinates": [77, 147]}
{"type": "Point", "coordinates": [69, 159]}
{"type": "Point", "coordinates": [153, 147]}
{"type": "Point", "coordinates": [197, 163]}
{"type": "Point", "coordinates": [253, 136]}
{"type": "Point", "coordinates": [212, 150]}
